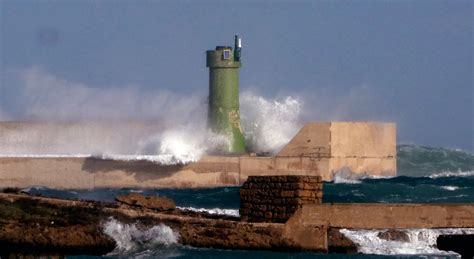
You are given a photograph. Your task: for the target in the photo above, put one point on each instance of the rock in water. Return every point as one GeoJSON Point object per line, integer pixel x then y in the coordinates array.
{"type": "Point", "coordinates": [461, 244]}
{"type": "Point", "coordinates": [149, 202]}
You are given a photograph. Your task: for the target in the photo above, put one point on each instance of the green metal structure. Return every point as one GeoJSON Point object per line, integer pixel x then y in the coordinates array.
{"type": "Point", "coordinates": [224, 114]}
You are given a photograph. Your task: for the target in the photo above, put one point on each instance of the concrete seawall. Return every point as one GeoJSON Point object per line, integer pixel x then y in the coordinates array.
{"type": "Point", "coordinates": [88, 173]}
{"type": "Point", "coordinates": [386, 216]}
{"type": "Point", "coordinates": [319, 149]}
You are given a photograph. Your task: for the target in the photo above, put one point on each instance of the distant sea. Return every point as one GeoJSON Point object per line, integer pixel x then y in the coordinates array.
{"type": "Point", "coordinates": [425, 175]}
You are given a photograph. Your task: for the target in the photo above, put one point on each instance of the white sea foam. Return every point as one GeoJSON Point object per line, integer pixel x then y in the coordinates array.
{"type": "Point", "coordinates": [421, 241]}
{"type": "Point", "coordinates": [130, 238]}
{"type": "Point", "coordinates": [268, 124]}
{"type": "Point", "coordinates": [338, 179]}
{"type": "Point", "coordinates": [346, 176]}
{"type": "Point", "coordinates": [452, 174]}
{"type": "Point", "coordinates": [217, 211]}
{"type": "Point", "coordinates": [450, 188]}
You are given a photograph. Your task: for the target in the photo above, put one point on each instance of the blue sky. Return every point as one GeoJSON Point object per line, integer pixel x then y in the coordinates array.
{"type": "Point", "coordinates": [410, 62]}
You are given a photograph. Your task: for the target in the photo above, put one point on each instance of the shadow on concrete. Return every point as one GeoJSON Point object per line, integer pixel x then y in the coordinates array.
{"type": "Point", "coordinates": [143, 170]}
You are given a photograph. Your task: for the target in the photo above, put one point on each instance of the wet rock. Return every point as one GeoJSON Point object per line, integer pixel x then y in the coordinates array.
{"type": "Point", "coordinates": [149, 202]}
{"type": "Point", "coordinates": [338, 243]}
{"type": "Point", "coordinates": [11, 190]}
{"type": "Point", "coordinates": [394, 235]}
{"type": "Point", "coordinates": [26, 227]}
{"type": "Point", "coordinates": [40, 226]}
{"type": "Point", "coordinates": [461, 244]}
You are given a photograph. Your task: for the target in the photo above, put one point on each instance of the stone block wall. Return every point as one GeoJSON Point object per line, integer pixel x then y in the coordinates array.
{"type": "Point", "coordinates": [276, 198]}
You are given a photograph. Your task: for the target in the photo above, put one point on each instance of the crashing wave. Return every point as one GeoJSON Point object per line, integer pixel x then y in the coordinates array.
{"type": "Point", "coordinates": [129, 238]}
{"type": "Point", "coordinates": [420, 241]}
{"type": "Point", "coordinates": [268, 124]}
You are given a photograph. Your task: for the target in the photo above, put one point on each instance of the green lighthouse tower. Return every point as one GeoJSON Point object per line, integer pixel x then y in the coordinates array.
{"type": "Point", "coordinates": [224, 114]}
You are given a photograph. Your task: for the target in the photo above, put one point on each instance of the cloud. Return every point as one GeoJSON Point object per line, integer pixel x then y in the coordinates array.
{"type": "Point", "coordinates": [45, 96]}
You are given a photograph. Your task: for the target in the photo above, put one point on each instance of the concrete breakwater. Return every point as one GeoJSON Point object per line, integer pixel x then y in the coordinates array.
{"type": "Point", "coordinates": [26, 221]}
{"type": "Point", "coordinates": [318, 149]}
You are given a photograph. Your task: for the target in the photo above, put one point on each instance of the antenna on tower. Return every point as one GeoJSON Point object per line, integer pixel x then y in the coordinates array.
{"type": "Point", "coordinates": [237, 48]}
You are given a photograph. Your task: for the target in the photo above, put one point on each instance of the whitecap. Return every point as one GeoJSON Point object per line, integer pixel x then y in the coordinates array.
{"type": "Point", "coordinates": [452, 174]}
{"type": "Point", "coordinates": [449, 188]}
{"type": "Point", "coordinates": [216, 211]}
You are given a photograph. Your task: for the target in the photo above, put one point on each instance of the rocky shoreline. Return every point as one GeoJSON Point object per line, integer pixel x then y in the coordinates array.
{"type": "Point", "coordinates": [38, 226]}
{"type": "Point", "coordinates": [279, 213]}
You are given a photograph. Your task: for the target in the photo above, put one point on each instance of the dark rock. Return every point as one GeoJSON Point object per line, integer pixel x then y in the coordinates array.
{"type": "Point", "coordinates": [11, 190]}
{"type": "Point", "coordinates": [461, 244]}
{"type": "Point", "coordinates": [394, 235]}
{"type": "Point", "coordinates": [149, 202]}
{"type": "Point", "coordinates": [338, 243]}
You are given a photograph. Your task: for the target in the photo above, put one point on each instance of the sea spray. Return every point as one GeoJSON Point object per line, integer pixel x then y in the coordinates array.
{"type": "Point", "coordinates": [421, 241]}
{"type": "Point", "coordinates": [268, 124]}
{"type": "Point", "coordinates": [182, 145]}
{"type": "Point", "coordinates": [128, 237]}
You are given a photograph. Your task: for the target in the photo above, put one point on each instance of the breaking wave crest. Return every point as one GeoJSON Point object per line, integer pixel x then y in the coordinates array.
{"type": "Point", "coordinates": [420, 241]}
{"type": "Point", "coordinates": [130, 238]}
{"type": "Point", "coordinates": [451, 174]}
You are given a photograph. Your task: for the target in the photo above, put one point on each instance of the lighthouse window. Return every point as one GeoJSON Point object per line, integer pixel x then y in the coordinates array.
{"type": "Point", "coordinates": [226, 54]}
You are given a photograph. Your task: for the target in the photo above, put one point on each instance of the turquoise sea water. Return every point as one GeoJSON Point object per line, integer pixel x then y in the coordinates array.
{"type": "Point", "coordinates": [426, 175]}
